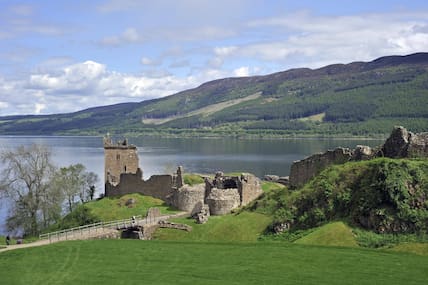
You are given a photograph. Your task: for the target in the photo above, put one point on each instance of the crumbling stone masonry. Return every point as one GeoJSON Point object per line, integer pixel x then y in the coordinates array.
{"type": "Point", "coordinates": [221, 194]}
{"type": "Point", "coordinates": [303, 170]}
{"type": "Point", "coordinates": [123, 175]}
{"type": "Point", "coordinates": [119, 158]}
{"type": "Point", "coordinates": [400, 144]}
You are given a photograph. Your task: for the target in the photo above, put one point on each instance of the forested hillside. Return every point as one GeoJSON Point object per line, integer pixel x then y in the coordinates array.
{"type": "Point", "coordinates": [357, 99]}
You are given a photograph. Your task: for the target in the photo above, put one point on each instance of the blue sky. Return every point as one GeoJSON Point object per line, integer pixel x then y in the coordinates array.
{"type": "Point", "coordinates": [64, 56]}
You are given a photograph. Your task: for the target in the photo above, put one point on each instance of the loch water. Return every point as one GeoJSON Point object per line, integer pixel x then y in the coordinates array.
{"type": "Point", "coordinates": [196, 155]}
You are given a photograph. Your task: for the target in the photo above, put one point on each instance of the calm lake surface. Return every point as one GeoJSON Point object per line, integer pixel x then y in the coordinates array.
{"type": "Point", "coordinates": [163, 155]}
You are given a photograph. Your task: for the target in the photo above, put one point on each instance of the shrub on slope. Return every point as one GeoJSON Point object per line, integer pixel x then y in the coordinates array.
{"type": "Point", "coordinates": [384, 195]}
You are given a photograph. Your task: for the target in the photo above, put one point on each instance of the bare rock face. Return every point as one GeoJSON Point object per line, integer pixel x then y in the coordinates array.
{"type": "Point", "coordinates": [223, 201]}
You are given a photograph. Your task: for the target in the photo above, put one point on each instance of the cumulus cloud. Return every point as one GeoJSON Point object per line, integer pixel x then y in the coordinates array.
{"type": "Point", "coordinates": [83, 85]}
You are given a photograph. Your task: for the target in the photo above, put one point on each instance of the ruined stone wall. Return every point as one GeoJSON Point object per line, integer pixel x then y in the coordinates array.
{"type": "Point", "coordinates": [119, 158]}
{"type": "Point", "coordinates": [158, 186]}
{"type": "Point", "coordinates": [188, 197]}
{"type": "Point", "coordinates": [250, 188]}
{"type": "Point", "coordinates": [223, 201]}
{"type": "Point", "coordinates": [303, 170]}
{"type": "Point", "coordinates": [402, 143]}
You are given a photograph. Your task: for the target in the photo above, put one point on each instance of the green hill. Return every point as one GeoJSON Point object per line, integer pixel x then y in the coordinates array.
{"type": "Point", "coordinates": [360, 98]}
{"type": "Point", "coordinates": [333, 234]}
{"type": "Point", "coordinates": [381, 195]}
{"type": "Point", "coordinates": [245, 226]}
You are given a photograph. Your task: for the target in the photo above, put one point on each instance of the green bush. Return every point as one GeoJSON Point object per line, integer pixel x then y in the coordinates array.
{"type": "Point", "coordinates": [384, 195]}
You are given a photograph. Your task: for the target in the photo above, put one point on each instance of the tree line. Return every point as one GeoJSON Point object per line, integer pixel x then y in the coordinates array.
{"type": "Point", "coordinates": [41, 193]}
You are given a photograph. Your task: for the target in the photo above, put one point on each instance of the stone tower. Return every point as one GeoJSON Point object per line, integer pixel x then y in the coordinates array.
{"type": "Point", "coordinates": [118, 158]}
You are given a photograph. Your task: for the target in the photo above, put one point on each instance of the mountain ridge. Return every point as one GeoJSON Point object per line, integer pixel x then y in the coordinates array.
{"type": "Point", "coordinates": [340, 91]}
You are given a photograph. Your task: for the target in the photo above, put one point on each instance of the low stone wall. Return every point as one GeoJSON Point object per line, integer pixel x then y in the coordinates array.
{"type": "Point", "coordinates": [170, 225]}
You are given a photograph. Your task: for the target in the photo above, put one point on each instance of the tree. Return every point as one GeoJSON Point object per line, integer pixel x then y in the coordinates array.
{"type": "Point", "coordinates": [75, 183]}
{"type": "Point", "coordinates": [88, 191]}
{"type": "Point", "coordinates": [25, 179]}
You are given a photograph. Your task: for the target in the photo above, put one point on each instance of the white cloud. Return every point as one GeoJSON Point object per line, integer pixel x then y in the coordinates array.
{"type": "Point", "coordinates": [39, 108]}
{"type": "Point", "coordinates": [128, 36]}
{"type": "Point", "coordinates": [84, 85]}
{"type": "Point", "coordinates": [150, 61]}
{"type": "Point", "coordinates": [242, 71]}
{"type": "Point", "coordinates": [318, 40]}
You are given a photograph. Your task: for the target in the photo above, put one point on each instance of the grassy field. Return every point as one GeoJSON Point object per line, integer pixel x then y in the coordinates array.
{"type": "Point", "coordinates": [245, 226]}
{"type": "Point", "coordinates": [161, 262]}
{"type": "Point", "coordinates": [333, 234]}
{"type": "Point", "coordinates": [114, 208]}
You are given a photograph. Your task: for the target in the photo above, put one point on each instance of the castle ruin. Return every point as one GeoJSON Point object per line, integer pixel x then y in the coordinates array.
{"type": "Point", "coordinates": [400, 144]}
{"type": "Point", "coordinates": [221, 194]}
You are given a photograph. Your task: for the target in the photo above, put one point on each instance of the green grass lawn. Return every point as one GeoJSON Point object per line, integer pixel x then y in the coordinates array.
{"type": "Point", "coordinates": [115, 208]}
{"type": "Point", "coordinates": [166, 262]}
{"type": "Point", "coordinates": [245, 226]}
{"type": "Point", "coordinates": [332, 234]}
{"type": "Point", "coordinates": [413, 247]}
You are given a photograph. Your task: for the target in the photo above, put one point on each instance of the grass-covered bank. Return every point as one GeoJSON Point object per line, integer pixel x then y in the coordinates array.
{"type": "Point", "coordinates": [111, 208]}
{"type": "Point", "coordinates": [245, 226]}
{"type": "Point", "coordinates": [155, 262]}
{"type": "Point", "coordinates": [382, 195]}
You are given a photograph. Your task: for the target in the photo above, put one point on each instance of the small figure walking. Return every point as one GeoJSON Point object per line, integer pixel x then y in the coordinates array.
{"type": "Point", "coordinates": [7, 240]}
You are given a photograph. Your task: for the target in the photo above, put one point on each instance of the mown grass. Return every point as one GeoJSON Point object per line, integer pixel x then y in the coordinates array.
{"type": "Point", "coordinates": [413, 247]}
{"type": "Point", "coordinates": [333, 234]}
{"type": "Point", "coordinates": [115, 208]}
{"type": "Point", "coordinates": [160, 262]}
{"type": "Point", "coordinates": [245, 226]}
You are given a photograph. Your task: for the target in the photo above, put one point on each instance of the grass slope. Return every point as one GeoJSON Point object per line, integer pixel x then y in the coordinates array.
{"type": "Point", "coordinates": [154, 262]}
{"type": "Point", "coordinates": [413, 247]}
{"type": "Point", "coordinates": [245, 226]}
{"type": "Point", "coordinates": [333, 234]}
{"type": "Point", "coordinates": [115, 208]}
